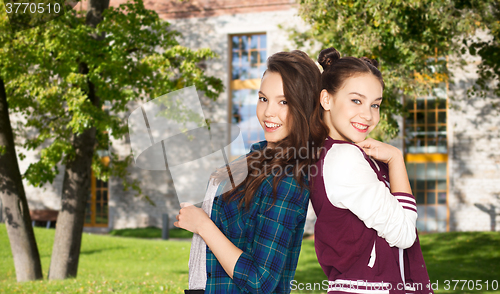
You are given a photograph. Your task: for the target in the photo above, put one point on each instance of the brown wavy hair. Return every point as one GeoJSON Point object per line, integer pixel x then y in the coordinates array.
{"type": "Point", "coordinates": [296, 153]}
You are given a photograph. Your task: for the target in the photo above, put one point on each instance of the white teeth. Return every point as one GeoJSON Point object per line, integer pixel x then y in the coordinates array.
{"type": "Point", "coordinates": [361, 127]}
{"type": "Point", "coordinates": [271, 125]}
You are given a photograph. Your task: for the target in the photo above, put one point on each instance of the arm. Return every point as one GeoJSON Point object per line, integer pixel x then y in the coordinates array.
{"type": "Point", "coordinates": [393, 157]}
{"type": "Point", "coordinates": [275, 247]}
{"type": "Point", "coordinates": [351, 183]}
{"type": "Point", "coordinates": [258, 269]}
{"type": "Point", "coordinates": [194, 219]}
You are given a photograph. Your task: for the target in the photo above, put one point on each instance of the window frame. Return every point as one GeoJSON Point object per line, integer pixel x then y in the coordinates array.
{"type": "Point", "coordinates": [252, 84]}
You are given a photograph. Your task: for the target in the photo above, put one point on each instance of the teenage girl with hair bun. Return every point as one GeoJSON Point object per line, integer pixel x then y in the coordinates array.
{"type": "Point", "coordinates": [365, 234]}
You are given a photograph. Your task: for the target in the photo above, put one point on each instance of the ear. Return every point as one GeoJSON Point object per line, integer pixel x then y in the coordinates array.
{"type": "Point", "coordinates": [324, 99]}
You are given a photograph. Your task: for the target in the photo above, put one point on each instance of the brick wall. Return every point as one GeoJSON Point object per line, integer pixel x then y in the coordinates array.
{"type": "Point", "coordinates": [173, 9]}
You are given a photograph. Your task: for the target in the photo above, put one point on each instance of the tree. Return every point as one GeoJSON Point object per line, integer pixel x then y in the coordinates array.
{"type": "Point", "coordinates": [489, 51]}
{"type": "Point", "coordinates": [404, 36]}
{"type": "Point", "coordinates": [80, 66]}
{"type": "Point", "coordinates": [77, 175]}
{"type": "Point", "coordinates": [14, 59]}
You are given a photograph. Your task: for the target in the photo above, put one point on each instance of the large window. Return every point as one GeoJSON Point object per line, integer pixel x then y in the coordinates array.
{"type": "Point", "coordinates": [96, 212]}
{"type": "Point", "coordinates": [428, 180]}
{"type": "Point", "coordinates": [426, 152]}
{"type": "Point", "coordinates": [248, 63]}
{"type": "Point", "coordinates": [426, 125]}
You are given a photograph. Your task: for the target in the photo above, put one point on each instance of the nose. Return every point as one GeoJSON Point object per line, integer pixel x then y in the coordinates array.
{"type": "Point", "coordinates": [366, 113]}
{"type": "Point", "coordinates": [270, 110]}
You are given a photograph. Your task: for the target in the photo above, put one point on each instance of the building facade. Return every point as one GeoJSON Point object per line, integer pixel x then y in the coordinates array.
{"type": "Point", "coordinates": [450, 142]}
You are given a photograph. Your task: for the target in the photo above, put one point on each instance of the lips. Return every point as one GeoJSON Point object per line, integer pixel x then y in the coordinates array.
{"type": "Point", "coordinates": [360, 127]}
{"type": "Point", "coordinates": [271, 127]}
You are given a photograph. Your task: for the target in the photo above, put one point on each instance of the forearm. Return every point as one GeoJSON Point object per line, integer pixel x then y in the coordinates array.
{"type": "Point", "coordinates": [398, 176]}
{"type": "Point", "coordinates": [224, 250]}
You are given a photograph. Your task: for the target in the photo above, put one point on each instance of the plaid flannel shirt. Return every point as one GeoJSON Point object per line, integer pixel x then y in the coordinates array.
{"type": "Point", "coordinates": [270, 236]}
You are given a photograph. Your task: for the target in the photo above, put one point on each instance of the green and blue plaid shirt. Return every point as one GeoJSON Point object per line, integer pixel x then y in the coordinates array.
{"type": "Point", "coordinates": [270, 236]}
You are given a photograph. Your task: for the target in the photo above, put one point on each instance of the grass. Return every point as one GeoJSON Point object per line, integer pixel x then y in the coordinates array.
{"type": "Point", "coordinates": [151, 233]}
{"type": "Point", "coordinates": [130, 265]}
{"type": "Point", "coordinates": [107, 264]}
{"type": "Point", "coordinates": [462, 256]}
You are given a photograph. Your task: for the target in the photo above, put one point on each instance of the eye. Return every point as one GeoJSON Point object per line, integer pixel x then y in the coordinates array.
{"type": "Point", "coordinates": [376, 106]}
{"type": "Point", "coordinates": [357, 101]}
{"type": "Point", "coordinates": [262, 99]}
{"type": "Point", "coordinates": [283, 102]}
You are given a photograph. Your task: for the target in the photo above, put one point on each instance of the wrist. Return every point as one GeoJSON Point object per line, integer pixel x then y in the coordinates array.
{"type": "Point", "coordinates": [396, 158]}
{"type": "Point", "coordinates": [205, 228]}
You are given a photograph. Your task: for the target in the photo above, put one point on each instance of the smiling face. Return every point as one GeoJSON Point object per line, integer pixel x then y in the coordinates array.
{"type": "Point", "coordinates": [353, 112]}
{"type": "Point", "coordinates": [272, 108]}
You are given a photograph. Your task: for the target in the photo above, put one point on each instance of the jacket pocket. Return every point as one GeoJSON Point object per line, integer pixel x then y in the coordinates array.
{"type": "Point", "coordinates": [373, 256]}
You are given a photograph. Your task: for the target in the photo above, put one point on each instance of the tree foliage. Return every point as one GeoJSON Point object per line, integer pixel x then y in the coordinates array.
{"type": "Point", "coordinates": [406, 37]}
{"type": "Point", "coordinates": [71, 84]}
{"type": "Point", "coordinates": [489, 51]}
{"type": "Point", "coordinates": [140, 59]}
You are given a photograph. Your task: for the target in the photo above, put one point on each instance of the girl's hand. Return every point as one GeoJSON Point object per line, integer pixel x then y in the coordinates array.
{"type": "Point", "coordinates": [191, 218]}
{"type": "Point", "coordinates": [380, 151]}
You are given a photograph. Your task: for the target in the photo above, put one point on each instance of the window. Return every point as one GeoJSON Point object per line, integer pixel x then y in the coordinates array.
{"type": "Point", "coordinates": [426, 125]}
{"type": "Point", "coordinates": [96, 212]}
{"type": "Point", "coordinates": [247, 64]}
{"type": "Point", "coordinates": [426, 151]}
{"type": "Point", "coordinates": [428, 181]}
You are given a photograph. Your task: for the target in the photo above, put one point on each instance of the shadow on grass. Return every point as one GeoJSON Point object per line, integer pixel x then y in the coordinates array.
{"type": "Point", "coordinates": [94, 251]}
{"type": "Point", "coordinates": [151, 233]}
{"type": "Point", "coordinates": [462, 256]}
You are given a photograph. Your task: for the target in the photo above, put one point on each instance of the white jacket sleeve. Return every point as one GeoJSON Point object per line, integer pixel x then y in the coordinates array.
{"type": "Point", "coordinates": [351, 183]}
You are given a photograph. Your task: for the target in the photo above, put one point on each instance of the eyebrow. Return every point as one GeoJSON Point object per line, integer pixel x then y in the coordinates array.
{"type": "Point", "coordinates": [363, 96]}
{"type": "Point", "coordinates": [283, 96]}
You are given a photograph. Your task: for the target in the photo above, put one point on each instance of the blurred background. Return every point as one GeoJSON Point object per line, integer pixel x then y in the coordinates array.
{"type": "Point", "coordinates": [68, 85]}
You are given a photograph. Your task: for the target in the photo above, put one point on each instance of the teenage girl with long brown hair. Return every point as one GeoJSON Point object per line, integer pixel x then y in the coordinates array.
{"type": "Point", "coordinates": [254, 231]}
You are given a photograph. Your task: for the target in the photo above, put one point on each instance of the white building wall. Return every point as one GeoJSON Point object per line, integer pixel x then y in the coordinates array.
{"type": "Point", "coordinates": [213, 33]}
{"type": "Point", "coordinates": [473, 135]}
{"type": "Point", "coordinates": [47, 196]}
{"type": "Point", "coordinates": [474, 154]}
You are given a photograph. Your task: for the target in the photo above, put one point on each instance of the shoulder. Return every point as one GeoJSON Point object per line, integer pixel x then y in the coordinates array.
{"type": "Point", "coordinates": [344, 153]}
{"type": "Point", "coordinates": [347, 164]}
{"type": "Point", "coordinates": [258, 146]}
{"type": "Point", "coordinates": [289, 197]}
{"type": "Point", "coordinates": [287, 187]}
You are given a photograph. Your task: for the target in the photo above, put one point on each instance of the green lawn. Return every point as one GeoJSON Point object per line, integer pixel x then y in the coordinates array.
{"type": "Point", "coordinates": [151, 233]}
{"type": "Point", "coordinates": [131, 265]}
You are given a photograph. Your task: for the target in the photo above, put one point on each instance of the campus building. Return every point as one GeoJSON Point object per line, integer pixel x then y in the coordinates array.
{"type": "Point", "coordinates": [450, 142]}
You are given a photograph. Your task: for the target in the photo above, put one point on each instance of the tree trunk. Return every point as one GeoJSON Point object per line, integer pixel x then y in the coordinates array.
{"type": "Point", "coordinates": [76, 188]}
{"type": "Point", "coordinates": [95, 9]}
{"type": "Point", "coordinates": [15, 206]}
{"type": "Point", "coordinates": [76, 183]}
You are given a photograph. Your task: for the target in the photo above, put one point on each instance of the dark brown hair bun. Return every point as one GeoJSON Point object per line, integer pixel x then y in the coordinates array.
{"type": "Point", "coordinates": [327, 57]}
{"type": "Point", "coordinates": [370, 61]}
{"type": "Point", "coordinates": [337, 70]}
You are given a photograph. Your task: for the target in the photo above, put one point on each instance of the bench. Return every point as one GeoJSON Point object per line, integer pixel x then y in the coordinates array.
{"type": "Point", "coordinates": [43, 215]}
